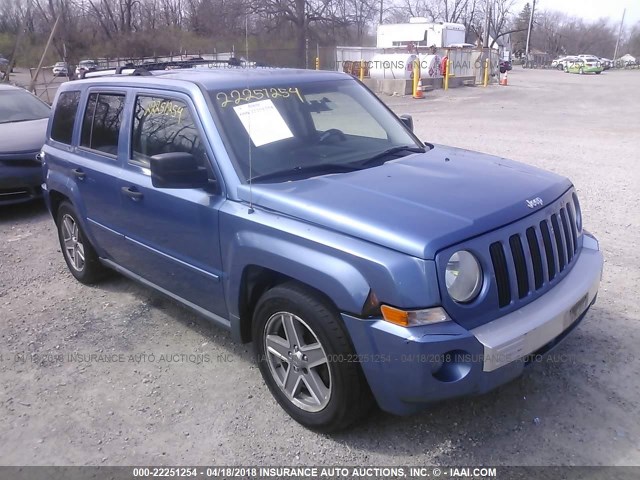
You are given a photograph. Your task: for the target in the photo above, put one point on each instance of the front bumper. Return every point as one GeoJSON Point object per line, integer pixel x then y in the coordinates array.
{"type": "Point", "coordinates": [408, 368]}
{"type": "Point", "coordinates": [19, 183]}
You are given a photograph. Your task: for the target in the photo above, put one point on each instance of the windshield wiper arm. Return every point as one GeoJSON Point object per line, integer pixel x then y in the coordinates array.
{"type": "Point", "coordinates": [389, 152]}
{"type": "Point", "coordinates": [306, 171]}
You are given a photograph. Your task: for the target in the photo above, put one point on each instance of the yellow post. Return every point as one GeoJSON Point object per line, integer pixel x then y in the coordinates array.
{"type": "Point", "coordinates": [447, 74]}
{"type": "Point", "coordinates": [417, 92]}
{"type": "Point", "coordinates": [317, 63]}
{"type": "Point", "coordinates": [486, 72]}
{"type": "Point", "coordinates": [361, 70]}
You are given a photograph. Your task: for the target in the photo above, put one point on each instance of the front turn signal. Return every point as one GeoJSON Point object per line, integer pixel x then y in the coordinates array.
{"type": "Point", "coordinates": [414, 318]}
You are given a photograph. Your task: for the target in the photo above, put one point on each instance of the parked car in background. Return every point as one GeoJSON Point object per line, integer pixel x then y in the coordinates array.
{"type": "Point", "coordinates": [289, 207]}
{"type": "Point", "coordinates": [86, 66]}
{"type": "Point", "coordinates": [61, 69]}
{"type": "Point", "coordinates": [23, 125]}
{"type": "Point", "coordinates": [4, 66]}
{"type": "Point", "coordinates": [562, 62]}
{"type": "Point", "coordinates": [505, 66]}
{"type": "Point", "coordinates": [606, 63]}
{"type": "Point", "coordinates": [584, 65]}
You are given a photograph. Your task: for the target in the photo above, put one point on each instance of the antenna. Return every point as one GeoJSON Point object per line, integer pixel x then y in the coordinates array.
{"type": "Point", "coordinates": [246, 65]}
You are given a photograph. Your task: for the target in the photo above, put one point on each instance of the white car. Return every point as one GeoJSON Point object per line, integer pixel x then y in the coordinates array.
{"type": "Point", "coordinates": [591, 60]}
{"type": "Point", "coordinates": [86, 66]}
{"type": "Point", "coordinates": [562, 62]}
{"type": "Point", "coordinates": [61, 69]}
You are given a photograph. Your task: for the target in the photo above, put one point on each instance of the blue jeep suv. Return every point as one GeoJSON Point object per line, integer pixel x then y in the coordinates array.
{"type": "Point", "coordinates": [294, 209]}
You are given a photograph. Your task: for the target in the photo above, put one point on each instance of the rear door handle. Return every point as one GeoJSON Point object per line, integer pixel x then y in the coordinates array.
{"type": "Point", "coordinates": [79, 173]}
{"type": "Point", "coordinates": [132, 193]}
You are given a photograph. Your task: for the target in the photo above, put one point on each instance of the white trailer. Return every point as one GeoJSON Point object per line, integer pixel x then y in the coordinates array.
{"type": "Point", "coordinates": [420, 33]}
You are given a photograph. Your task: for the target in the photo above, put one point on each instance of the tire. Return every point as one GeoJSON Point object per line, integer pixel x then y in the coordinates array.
{"type": "Point", "coordinates": [559, 66]}
{"type": "Point", "coordinates": [79, 254]}
{"type": "Point", "coordinates": [598, 73]}
{"type": "Point", "coordinates": [326, 397]}
{"type": "Point", "coordinates": [581, 71]}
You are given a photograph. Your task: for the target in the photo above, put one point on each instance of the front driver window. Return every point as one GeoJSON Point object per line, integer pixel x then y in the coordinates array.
{"type": "Point", "coordinates": [164, 125]}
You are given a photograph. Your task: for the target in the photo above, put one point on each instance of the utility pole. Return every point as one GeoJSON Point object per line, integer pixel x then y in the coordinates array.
{"type": "Point", "coordinates": [44, 54]}
{"type": "Point", "coordinates": [615, 53]}
{"type": "Point", "coordinates": [526, 52]}
{"type": "Point", "coordinates": [487, 14]}
{"type": "Point", "coordinates": [21, 29]}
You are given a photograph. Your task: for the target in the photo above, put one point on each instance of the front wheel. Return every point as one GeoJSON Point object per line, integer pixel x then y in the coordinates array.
{"type": "Point", "coordinates": [306, 359]}
{"type": "Point", "coordinates": [598, 73]}
{"type": "Point", "coordinates": [78, 253]}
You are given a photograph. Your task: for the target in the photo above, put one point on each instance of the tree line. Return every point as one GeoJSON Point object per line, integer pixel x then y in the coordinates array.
{"type": "Point", "coordinates": [134, 28]}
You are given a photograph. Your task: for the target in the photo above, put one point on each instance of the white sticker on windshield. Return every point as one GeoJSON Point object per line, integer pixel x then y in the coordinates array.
{"type": "Point", "coordinates": [263, 122]}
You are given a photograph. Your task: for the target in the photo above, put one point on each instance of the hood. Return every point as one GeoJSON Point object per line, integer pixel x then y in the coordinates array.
{"type": "Point", "coordinates": [22, 137]}
{"type": "Point", "coordinates": [418, 204]}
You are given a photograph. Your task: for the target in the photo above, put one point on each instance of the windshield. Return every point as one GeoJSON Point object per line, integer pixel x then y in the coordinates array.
{"type": "Point", "coordinates": [20, 106]}
{"type": "Point", "coordinates": [296, 131]}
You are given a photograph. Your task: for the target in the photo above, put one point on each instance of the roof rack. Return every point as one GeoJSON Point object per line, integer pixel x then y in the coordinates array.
{"type": "Point", "coordinates": [147, 68]}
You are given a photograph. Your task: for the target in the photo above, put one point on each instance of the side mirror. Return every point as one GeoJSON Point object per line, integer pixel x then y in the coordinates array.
{"type": "Point", "coordinates": [407, 120]}
{"type": "Point", "coordinates": [177, 170]}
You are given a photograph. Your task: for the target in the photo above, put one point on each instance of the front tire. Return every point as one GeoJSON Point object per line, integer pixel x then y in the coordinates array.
{"type": "Point", "coordinates": [306, 359]}
{"type": "Point", "coordinates": [81, 258]}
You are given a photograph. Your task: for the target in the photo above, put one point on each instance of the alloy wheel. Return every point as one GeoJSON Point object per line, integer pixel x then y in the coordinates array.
{"type": "Point", "coordinates": [297, 361]}
{"type": "Point", "coordinates": [73, 246]}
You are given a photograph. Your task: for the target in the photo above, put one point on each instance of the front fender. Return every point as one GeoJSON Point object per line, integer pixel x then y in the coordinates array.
{"type": "Point", "coordinates": [344, 268]}
{"type": "Point", "coordinates": [340, 281]}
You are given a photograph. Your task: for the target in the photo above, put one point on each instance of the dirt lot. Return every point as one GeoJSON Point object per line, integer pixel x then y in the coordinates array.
{"type": "Point", "coordinates": [59, 406]}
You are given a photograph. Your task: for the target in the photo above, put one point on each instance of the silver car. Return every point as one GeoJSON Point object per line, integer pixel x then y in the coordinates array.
{"type": "Point", "coordinates": [61, 69]}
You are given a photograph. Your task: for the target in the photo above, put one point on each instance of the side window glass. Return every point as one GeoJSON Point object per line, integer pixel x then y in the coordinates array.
{"type": "Point", "coordinates": [101, 123]}
{"type": "Point", "coordinates": [164, 125]}
{"type": "Point", "coordinates": [65, 116]}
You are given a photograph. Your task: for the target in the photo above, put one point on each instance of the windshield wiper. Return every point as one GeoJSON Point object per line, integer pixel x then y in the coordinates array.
{"type": "Point", "coordinates": [388, 153]}
{"type": "Point", "coordinates": [306, 171]}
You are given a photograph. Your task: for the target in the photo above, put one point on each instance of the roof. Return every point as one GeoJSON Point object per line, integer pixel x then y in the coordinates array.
{"type": "Point", "coordinates": [4, 86]}
{"type": "Point", "coordinates": [224, 77]}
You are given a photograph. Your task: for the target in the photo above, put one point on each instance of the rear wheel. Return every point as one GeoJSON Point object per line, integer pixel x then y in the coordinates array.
{"type": "Point", "coordinates": [598, 73]}
{"type": "Point", "coordinates": [304, 355]}
{"type": "Point", "coordinates": [80, 256]}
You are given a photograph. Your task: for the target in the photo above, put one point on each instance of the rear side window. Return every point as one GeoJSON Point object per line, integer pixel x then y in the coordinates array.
{"type": "Point", "coordinates": [164, 125]}
{"type": "Point", "coordinates": [101, 123]}
{"type": "Point", "coordinates": [65, 116]}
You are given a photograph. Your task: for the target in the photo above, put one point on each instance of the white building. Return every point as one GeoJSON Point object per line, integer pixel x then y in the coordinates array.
{"type": "Point", "coordinates": [420, 33]}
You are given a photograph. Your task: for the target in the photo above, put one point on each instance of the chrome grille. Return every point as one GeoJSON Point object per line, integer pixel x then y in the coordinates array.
{"type": "Point", "coordinates": [526, 261]}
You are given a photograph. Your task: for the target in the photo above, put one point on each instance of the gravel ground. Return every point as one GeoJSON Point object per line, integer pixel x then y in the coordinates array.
{"type": "Point", "coordinates": [208, 405]}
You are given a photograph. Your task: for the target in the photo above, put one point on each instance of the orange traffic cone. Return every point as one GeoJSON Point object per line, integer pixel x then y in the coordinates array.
{"type": "Point", "coordinates": [419, 93]}
{"type": "Point", "coordinates": [503, 79]}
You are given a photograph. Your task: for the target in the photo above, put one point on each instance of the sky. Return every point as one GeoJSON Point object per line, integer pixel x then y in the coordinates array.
{"type": "Point", "coordinates": [593, 9]}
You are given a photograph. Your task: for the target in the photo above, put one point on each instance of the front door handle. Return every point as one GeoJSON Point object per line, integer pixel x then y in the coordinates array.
{"type": "Point", "coordinates": [79, 173]}
{"type": "Point", "coordinates": [132, 193]}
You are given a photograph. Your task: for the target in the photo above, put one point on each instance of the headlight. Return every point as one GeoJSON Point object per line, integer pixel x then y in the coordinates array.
{"type": "Point", "coordinates": [463, 277]}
